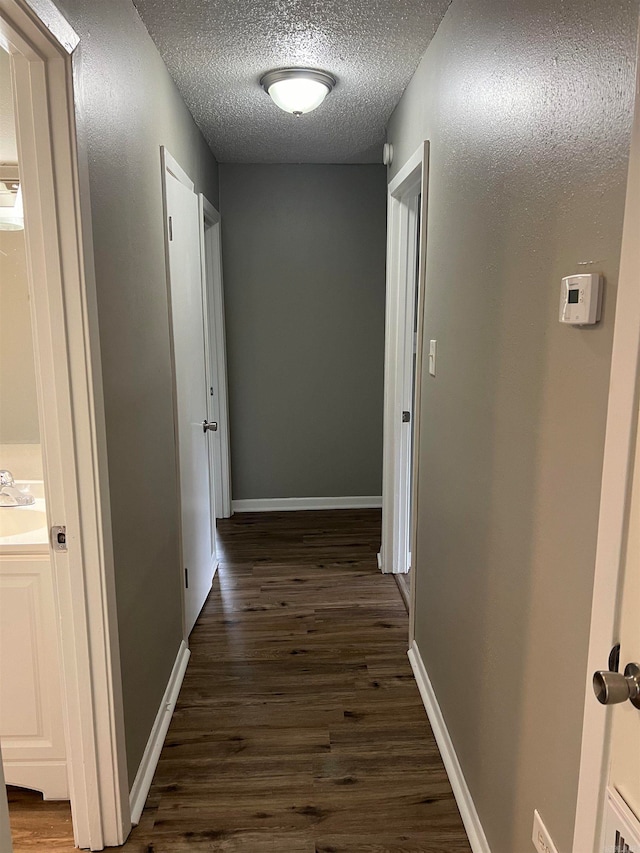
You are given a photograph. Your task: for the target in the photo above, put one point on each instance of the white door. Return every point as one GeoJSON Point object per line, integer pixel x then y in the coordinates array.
{"type": "Point", "coordinates": [216, 362]}
{"type": "Point", "coordinates": [622, 808]}
{"type": "Point", "coordinates": [187, 315]}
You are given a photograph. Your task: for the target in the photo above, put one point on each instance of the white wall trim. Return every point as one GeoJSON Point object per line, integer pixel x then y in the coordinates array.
{"type": "Point", "coordinates": [144, 776]}
{"type": "Point", "coordinates": [293, 504]}
{"type": "Point", "coordinates": [173, 167]}
{"type": "Point", "coordinates": [405, 245]}
{"type": "Point", "coordinates": [48, 14]}
{"type": "Point", "coordinates": [470, 817]}
{"type": "Point", "coordinates": [209, 212]}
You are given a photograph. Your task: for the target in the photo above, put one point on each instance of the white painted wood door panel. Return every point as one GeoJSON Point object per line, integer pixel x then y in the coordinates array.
{"type": "Point", "coordinates": [216, 361]}
{"type": "Point", "coordinates": [31, 722]}
{"type": "Point", "coordinates": [187, 313]}
{"type": "Point", "coordinates": [624, 775]}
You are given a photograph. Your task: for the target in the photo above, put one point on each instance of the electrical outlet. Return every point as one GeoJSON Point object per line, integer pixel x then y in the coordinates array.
{"type": "Point", "coordinates": [541, 838]}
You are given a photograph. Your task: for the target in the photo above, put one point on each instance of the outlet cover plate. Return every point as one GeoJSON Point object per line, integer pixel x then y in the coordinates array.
{"type": "Point", "coordinates": [540, 837]}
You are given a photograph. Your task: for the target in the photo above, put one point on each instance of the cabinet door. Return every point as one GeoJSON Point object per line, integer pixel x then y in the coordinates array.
{"type": "Point", "coordinates": [31, 722]}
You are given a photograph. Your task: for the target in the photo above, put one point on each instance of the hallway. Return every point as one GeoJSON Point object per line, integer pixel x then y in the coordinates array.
{"type": "Point", "coordinates": [299, 727]}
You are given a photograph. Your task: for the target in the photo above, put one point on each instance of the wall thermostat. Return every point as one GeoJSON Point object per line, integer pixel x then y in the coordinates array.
{"type": "Point", "coordinates": [581, 299]}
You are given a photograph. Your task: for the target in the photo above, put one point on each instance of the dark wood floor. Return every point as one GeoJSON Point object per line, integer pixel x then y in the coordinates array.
{"type": "Point", "coordinates": [404, 585]}
{"type": "Point", "coordinates": [299, 727]}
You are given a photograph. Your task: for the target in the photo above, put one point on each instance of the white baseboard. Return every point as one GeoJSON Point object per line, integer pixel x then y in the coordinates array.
{"type": "Point", "coordinates": [470, 818]}
{"type": "Point", "coordinates": [297, 504]}
{"type": "Point", "coordinates": [144, 776]}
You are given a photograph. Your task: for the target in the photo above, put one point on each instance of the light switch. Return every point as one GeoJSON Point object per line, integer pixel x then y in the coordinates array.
{"type": "Point", "coordinates": [432, 357]}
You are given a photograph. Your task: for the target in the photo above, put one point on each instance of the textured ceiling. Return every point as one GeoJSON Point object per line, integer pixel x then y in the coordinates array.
{"type": "Point", "coordinates": [217, 50]}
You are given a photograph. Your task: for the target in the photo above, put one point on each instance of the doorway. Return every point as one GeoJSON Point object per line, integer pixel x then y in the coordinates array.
{"type": "Point", "coordinates": [407, 222]}
{"type": "Point", "coordinates": [64, 609]}
{"type": "Point", "coordinates": [31, 713]}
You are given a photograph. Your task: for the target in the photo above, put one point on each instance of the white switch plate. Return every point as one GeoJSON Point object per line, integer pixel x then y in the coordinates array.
{"type": "Point", "coordinates": [540, 837]}
{"type": "Point", "coordinates": [432, 357]}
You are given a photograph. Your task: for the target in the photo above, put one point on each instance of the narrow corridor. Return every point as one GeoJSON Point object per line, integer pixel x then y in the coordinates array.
{"type": "Point", "coordinates": [299, 728]}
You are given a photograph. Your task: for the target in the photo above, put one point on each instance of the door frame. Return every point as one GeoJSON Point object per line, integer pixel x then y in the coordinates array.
{"type": "Point", "coordinates": [216, 356]}
{"type": "Point", "coordinates": [621, 426]}
{"type": "Point", "coordinates": [405, 250]}
{"type": "Point", "coordinates": [54, 165]}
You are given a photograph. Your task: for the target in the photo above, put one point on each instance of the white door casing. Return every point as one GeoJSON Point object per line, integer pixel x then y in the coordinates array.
{"type": "Point", "coordinates": [617, 471]}
{"type": "Point", "coordinates": [406, 245]}
{"type": "Point", "coordinates": [54, 178]}
{"type": "Point", "coordinates": [188, 346]}
{"type": "Point", "coordinates": [624, 773]}
{"type": "Point", "coordinates": [216, 358]}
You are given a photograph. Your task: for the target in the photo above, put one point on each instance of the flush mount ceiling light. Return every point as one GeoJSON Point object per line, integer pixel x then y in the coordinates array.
{"type": "Point", "coordinates": [298, 90]}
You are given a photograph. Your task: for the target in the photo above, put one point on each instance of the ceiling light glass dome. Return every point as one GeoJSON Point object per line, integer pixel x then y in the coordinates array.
{"type": "Point", "coordinates": [298, 90]}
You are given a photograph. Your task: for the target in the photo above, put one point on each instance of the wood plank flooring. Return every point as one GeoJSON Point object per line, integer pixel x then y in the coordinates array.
{"type": "Point", "coordinates": [404, 585]}
{"type": "Point", "coordinates": [299, 728]}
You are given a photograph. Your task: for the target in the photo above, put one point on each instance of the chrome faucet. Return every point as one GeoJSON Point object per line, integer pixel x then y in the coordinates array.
{"type": "Point", "coordinates": [12, 495]}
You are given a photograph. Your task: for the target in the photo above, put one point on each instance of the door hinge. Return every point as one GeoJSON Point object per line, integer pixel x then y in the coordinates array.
{"type": "Point", "coordinates": [170, 228]}
{"type": "Point", "coordinates": [406, 417]}
{"type": "Point", "coordinates": [186, 578]}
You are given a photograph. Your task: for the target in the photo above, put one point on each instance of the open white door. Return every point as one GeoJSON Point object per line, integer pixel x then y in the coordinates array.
{"type": "Point", "coordinates": [193, 428]}
{"type": "Point", "coordinates": [608, 807]}
{"type": "Point", "coordinates": [216, 358]}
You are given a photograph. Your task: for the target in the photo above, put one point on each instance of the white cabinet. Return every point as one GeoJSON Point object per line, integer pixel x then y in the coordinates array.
{"type": "Point", "coordinates": [31, 721]}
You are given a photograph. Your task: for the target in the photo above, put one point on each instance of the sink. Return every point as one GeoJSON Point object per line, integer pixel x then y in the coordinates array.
{"type": "Point", "coordinates": [25, 525]}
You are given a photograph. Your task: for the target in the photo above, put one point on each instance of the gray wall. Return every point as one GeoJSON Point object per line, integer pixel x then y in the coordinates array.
{"type": "Point", "coordinates": [528, 110]}
{"type": "Point", "coordinates": [130, 107]}
{"type": "Point", "coordinates": [304, 266]}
